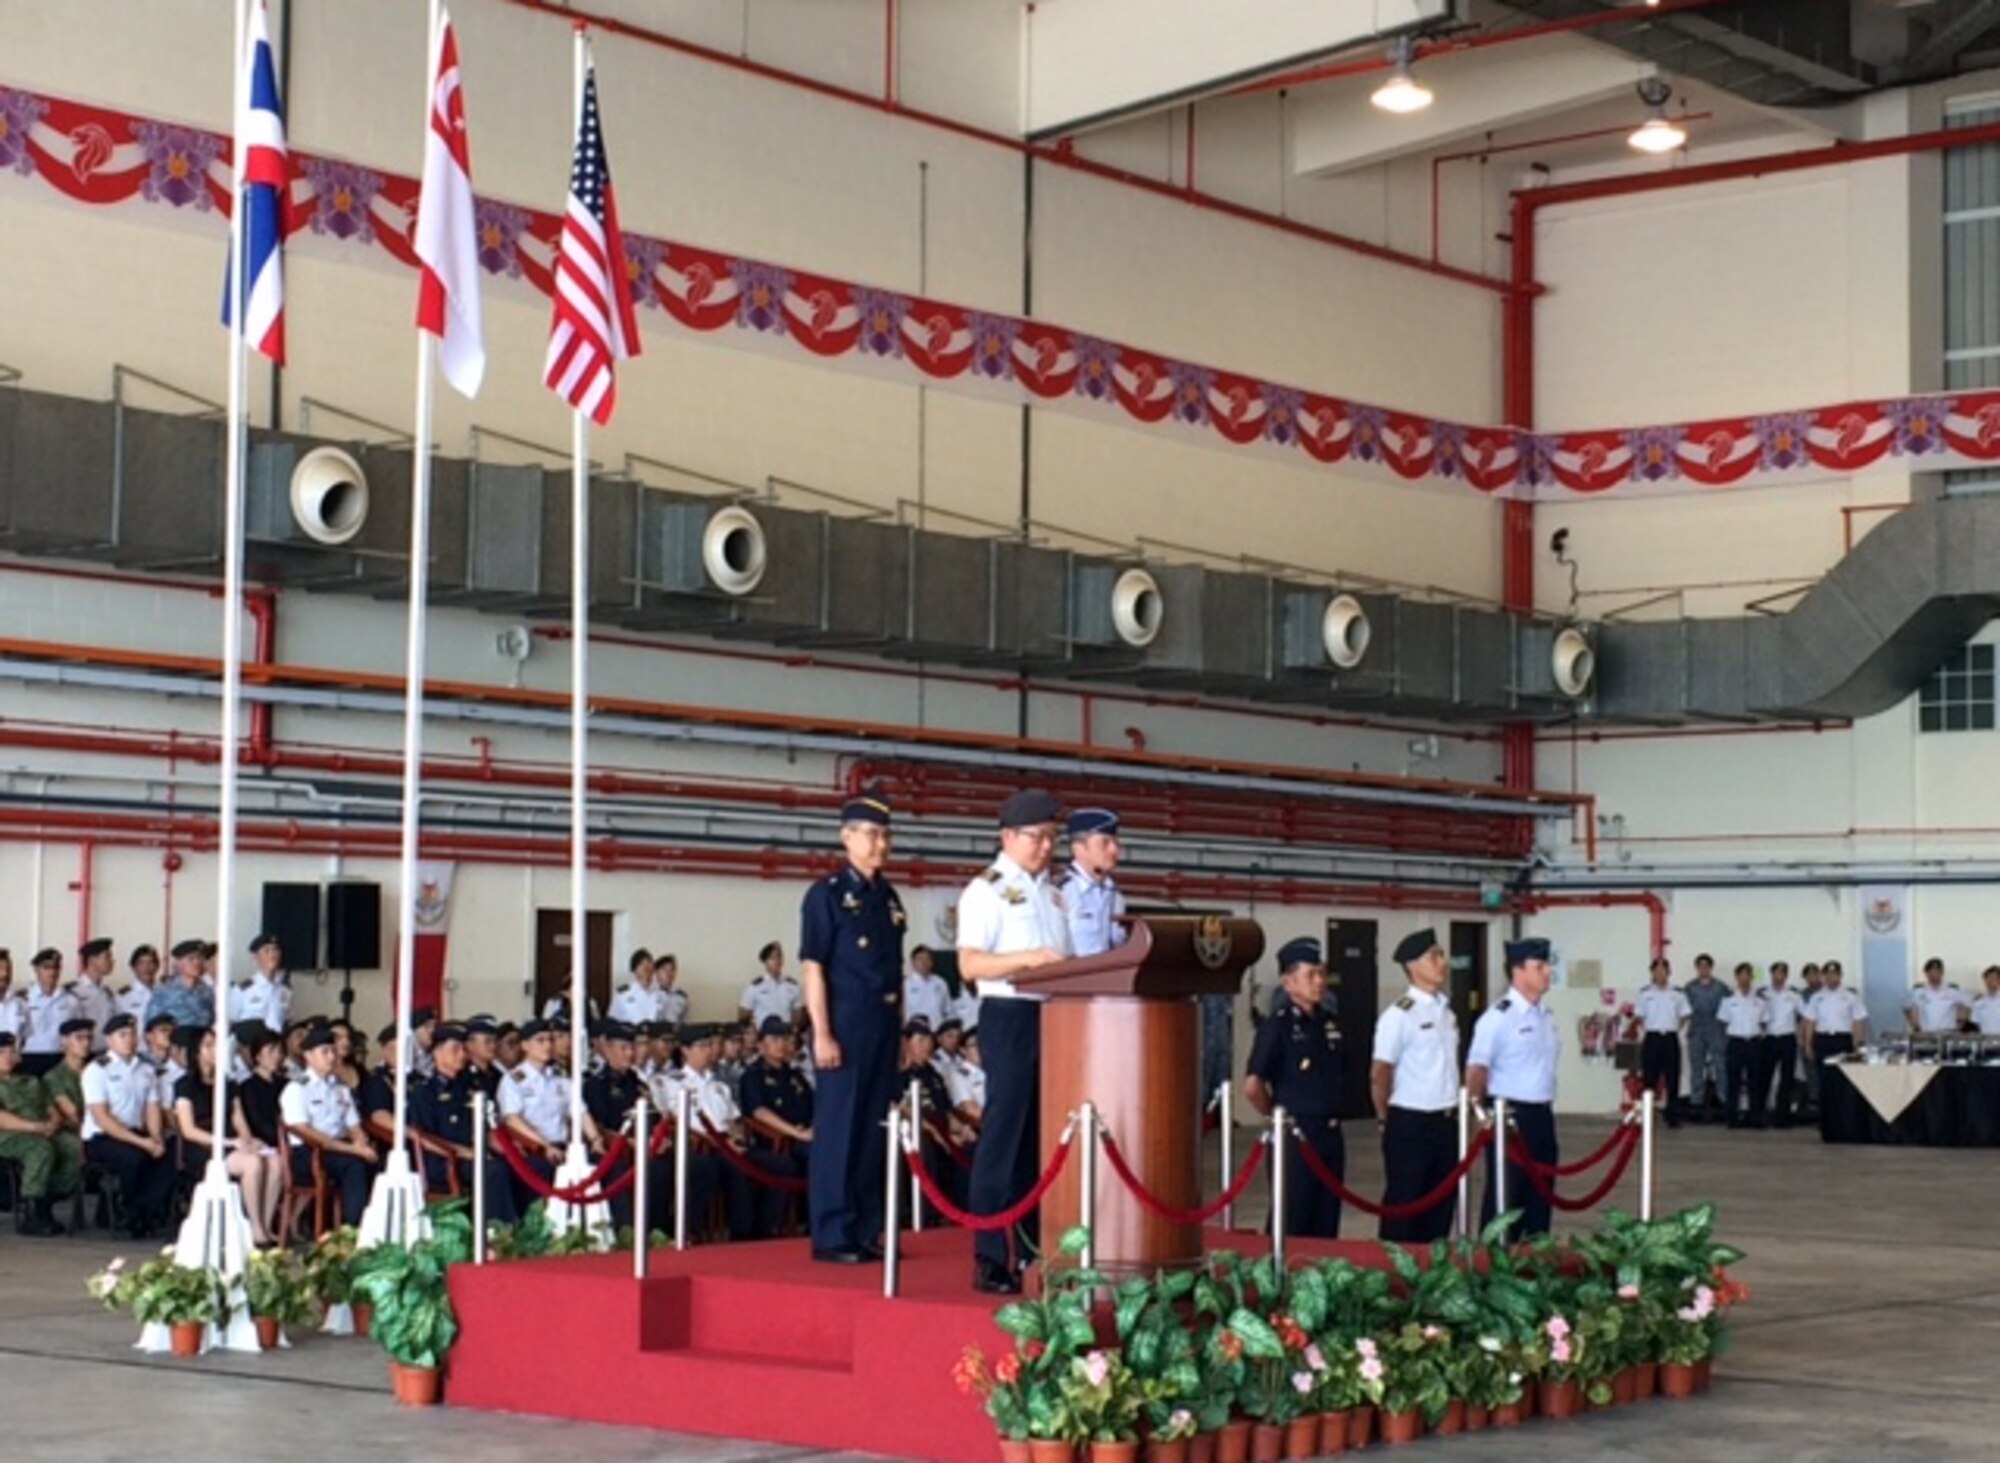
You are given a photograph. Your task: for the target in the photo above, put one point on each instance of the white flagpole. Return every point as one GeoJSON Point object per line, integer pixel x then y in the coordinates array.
{"type": "Point", "coordinates": [395, 1208]}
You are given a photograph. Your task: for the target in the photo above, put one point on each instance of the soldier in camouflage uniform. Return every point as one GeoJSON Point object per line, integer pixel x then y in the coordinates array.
{"type": "Point", "coordinates": [50, 1156]}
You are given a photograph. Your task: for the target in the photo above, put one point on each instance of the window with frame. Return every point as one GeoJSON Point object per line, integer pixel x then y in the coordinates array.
{"type": "Point", "coordinates": [1959, 694]}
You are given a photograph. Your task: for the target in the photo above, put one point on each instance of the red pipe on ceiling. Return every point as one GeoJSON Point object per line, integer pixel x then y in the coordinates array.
{"type": "Point", "coordinates": [1655, 907]}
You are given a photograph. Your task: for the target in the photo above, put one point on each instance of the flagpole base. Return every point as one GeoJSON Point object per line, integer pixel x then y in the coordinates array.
{"type": "Point", "coordinates": [216, 1236]}
{"type": "Point", "coordinates": [594, 1219]}
{"type": "Point", "coordinates": [395, 1213]}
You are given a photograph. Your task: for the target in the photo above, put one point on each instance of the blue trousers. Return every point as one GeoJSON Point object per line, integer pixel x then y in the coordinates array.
{"type": "Point", "coordinates": [850, 1105]}
{"type": "Point", "coordinates": [1006, 1163]}
{"type": "Point", "coordinates": [1536, 1122]}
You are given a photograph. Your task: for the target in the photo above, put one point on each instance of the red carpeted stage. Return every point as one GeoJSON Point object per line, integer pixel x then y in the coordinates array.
{"type": "Point", "coordinates": [748, 1341]}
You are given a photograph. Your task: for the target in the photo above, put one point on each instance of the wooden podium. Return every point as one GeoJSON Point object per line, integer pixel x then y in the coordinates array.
{"type": "Point", "coordinates": [1123, 1030]}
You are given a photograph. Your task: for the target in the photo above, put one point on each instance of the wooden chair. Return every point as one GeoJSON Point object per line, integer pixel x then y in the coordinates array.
{"type": "Point", "coordinates": [317, 1197]}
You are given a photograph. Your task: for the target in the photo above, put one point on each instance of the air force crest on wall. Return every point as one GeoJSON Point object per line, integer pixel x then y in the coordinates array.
{"type": "Point", "coordinates": [1212, 942]}
{"type": "Point", "coordinates": [1883, 916]}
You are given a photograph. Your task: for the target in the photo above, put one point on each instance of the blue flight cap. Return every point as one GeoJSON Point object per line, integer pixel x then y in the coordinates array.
{"type": "Point", "coordinates": [1302, 951]}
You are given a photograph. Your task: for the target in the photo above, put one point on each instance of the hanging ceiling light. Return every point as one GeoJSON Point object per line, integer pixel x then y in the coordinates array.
{"type": "Point", "coordinates": [1402, 92]}
{"type": "Point", "coordinates": [1658, 133]}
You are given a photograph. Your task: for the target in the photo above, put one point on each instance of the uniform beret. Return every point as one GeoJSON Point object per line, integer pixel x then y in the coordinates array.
{"type": "Point", "coordinates": [93, 948]}
{"type": "Point", "coordinates": [251, 1031]}
{"type": "Point", "coordinates": [188, 947]}
{"type": "Point", "coordinates": [917, 1026]}
{"type": "Point", "coordinates": [123, 1021]}
{"type": "Point", "coordinates": [1520, 952]}
{"type": "Point", "coordinates": [775, 1026]}
{"type": "Point", "coordinates": [6, 1040]}
{"type": "Point", "coordinates": [317, 1037]}
{"type": "Point", "coordinates": [532, 1029]}
{"type": "Point", "coordinates": [1029, 808]}
{"type": "Point", "coordinates": [188, 1038]}
{"type": "Point", "coordinates": [144, 952]}
{"type": "Point", "coordinates": [641, 956]}
{"type": "Point", "coordinates": [1302, 951]}
{"type": "Point", "coordinates": [701, 1031]}
{"type": "Point", "coordinates": [261, 941]}
{"type": "Point", "coordinates": [75, 1024]}
{"type": "Point", "coordinates": [47, 956]}
{"type": "Point", "coordinates": [617, 1031]}
{"type": "Point", "coordinates": [423, 1016]}
{"type": "Point", "coordinates": [156, 1022]}
{"type": "Point", "coordinates": [448, 1031]}
{"type": "Point", "coordinates": [1086, 821]}
{"type": "Point", "coordinates": [208, 949]}
{"type": "Point", "coordinates": [482, 1026]}
{"type": "Point", "coordinates": [1415, 947]}
{"type": "Point", "coordinates": [871, 806]}
{"type": "Point", "coordinates": [950, 1023]}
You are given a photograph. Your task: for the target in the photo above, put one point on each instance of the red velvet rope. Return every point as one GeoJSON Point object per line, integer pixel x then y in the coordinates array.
{"type": "Point", "coordinates": [1006, 1218]}
{"type": "Point", "coordinates": [744, 1166]}
{"type": "Point", "coordinates": [587, 1191]}
{"type": "Point", "coordinates": [1571, 1170]}
{"type": "Point", "coordinates": [1152, 1205]}
{"type": "Point", "coordinates": [1397, 1211]}
{"type": "Point", "coordinates": [1522, 1160]}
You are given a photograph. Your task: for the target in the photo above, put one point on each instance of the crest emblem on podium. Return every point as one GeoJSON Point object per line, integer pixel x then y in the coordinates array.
{"type": "Point", "coordinates": [1212, 941]}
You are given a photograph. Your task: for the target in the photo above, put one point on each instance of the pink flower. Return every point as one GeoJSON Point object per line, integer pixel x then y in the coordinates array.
{"type": "Point", "coordinates": [115, 1266]}
{"type": "Point", "coordinates": [1371, 1369]}
{"type": "Point", "coordinates": [1315, 1358]}
{"type": "Point", "coordinates": [1704, 1299]}
{"type": "Point", "coordinates": [1431, 1333]}
{"type": "Point", "coordinates": [1560, 1352]}
{"type": "Point", "coordinates": [1366, 1346]}
{"type": "Point", "coordinates": [1688, 1314]}
{"type": "Point", "coordinates": [1302, 1382]}
{"type": "Point", "coordinates": [1558, 1327]}
{"type": "Point", "coordinates": [1097, 1367]}
{"type": "Point", "coordinates": [1628, 1292]}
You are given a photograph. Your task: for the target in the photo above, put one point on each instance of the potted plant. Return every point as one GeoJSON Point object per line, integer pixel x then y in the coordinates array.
{"type": "Point", "coordinates": [1271, 1396]}
{"type": "Point", "coordinates": [1221, 1289]}
{"type": "Point", "coordinates": [330, 1270]}
{"type": "Point", "coordinates": [1106, 1402]}
{"type": "Point", "coordinates": [413, 1316]}
{"type": "Point", "coordinates": [1168, 1436]}
{"type": "Point", "coordinates": [1160, 1350]}
{"type": "Point", "coordinates": [1562, 1356]}
{"type": "Point", "coordinates": [1048, 1332]}
{"type": "Point", "coordinates": [1359, 1302]}
{"type": "Point", "coordinates": [1414, 1387]}
{"type": "Point", "coordinates": [280, 1294]}
{"type": "Point", "coordinates": [186, 1299]}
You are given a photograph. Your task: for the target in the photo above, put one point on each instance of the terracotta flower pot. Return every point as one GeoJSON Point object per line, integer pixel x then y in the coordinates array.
{"type": "Point", "coordinates": [1232, 1444]}
{"type": "Point", "coordinates": [1051, 1450]}
{"type": "Point", "coordinates": [267, 1332]}
{"type": "Point", "coordinates": [1302, 1437]}
{"type": "Point", "coordinates": [1704, 1373]}
{"type": "Point", "coordinates": [1175, 1451]}
{"type": "Point", "coordinates": [1561, 1399]}
{"type": "Point", "coordinates": [1477, 1419]}
{"type": "Point", "coordinates": [1360, 1427]}
{"type": "Point", "coordinates": [1015, 1450]}
{"type": "Point", "coordinates": [1645, 1380]}
{"type": "Point", "coordinates": [1453, 1420]}
{"type": "Point", "coordinates": [1126, 1451]}
{"type": "Point", "coordinates": [1332, 1433]}
{"type": "Point", "coordinates": [1402, 1427]}
{"type": "Point", "coordinates": [186, 1337]}
{"type": "Point", "coordinates": [1625, 1387]}
{"type": "Point", "coordinates": [1676, 1380]}
{"type": "Point", "coordinates": [1267, 1443]}
{"type": "Point", "coordinates": [364, 1318]}
{"type": "Point", "coordinates": [416, 1386]}
{"type": "Point", "coordinates": [1201, 1448]}
{"type": "Point", "coordinates": [1529, 1401]}
{"type": "Point", "coordinates": [1507, 1414]}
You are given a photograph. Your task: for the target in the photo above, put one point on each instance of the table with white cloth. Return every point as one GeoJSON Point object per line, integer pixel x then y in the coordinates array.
{"type": "Point", "coordinates": [1911, 1104]}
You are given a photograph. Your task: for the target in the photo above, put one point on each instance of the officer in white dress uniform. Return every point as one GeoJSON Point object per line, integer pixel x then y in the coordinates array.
{"type": "Point", "coordinates": [1413, 1081]}
{"type": "Point", "coordinates": [1745, 1015]}
{"type": "Point", "coordinates": [1985, 1012]}
{"type": "Point", "coordinates": [145, 964]}
{"type": "Point", "coordinates": [1091, 896]}
{"type": "Point", "coordinates": [95, 1000]}
{"type": "Point", "coordinates": [926, 994]}
{"type": "Point", "coordinates": [638, 1002]}
{"type": "Point", "coordinates": [1779, 1055]}
{"type": "Point", "coordinates": [1010, 921]}
{"type": "Point", "coordinates": [122, 1125]}
{"type": "Point", "coordinates": [771, 993]}
{"type": "Point", "coordinates": [320, 1113]}
{"type": "Point", "coordinates": [1935, 1006]}
{"type": "Point", "coordinates": [267, 995]}
{"type": "Point", "coordinates": [1515, 1047]}
{"type": "Point", "coordinates": [1663, 1014]}
{"type": "Point", "coordinates": [1836, 1018]}
{"type": "Point", "coordinates": [48, 1006]}
{"type": "Point", "coordinates": [673, 1000]}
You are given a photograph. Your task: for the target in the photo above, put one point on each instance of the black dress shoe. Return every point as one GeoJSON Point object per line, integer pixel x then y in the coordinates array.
{"type": "Point", "coordinates": [993, 1278]}
{"type": "Point", "coordinates": [871, 1252]}
{"type": "Point", "coordinates": [838, 1257]}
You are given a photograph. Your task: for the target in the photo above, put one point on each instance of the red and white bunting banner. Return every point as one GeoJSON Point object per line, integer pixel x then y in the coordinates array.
{"type": "Point", "coordinates": [106, 158]}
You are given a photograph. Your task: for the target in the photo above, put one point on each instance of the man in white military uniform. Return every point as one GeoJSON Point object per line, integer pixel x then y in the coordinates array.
{"type": "Point", "coordinates": [1745, 1015]}
{"type": "Point", "coordinates": [1836, 1019]}
{"type": "Point", "coordinates": [771, 993]}
{"type": "Point", "coordinates": [13, 1007]}
{"type": "Point", "coordinates": [145, 964]}
{"type": "Point", "coordinates": [1985, 1013]}
{"type": "Point", "coordinates": [534, 1108]}
{"type": "Point", "coordinates": [674, 1001]}
{"type": "Point", "coordinates": [123, 1128]}
{"type": "Point", "coordinates": [1413, 1082]}
{"type": "Point", "coordinates": [1091, 896]}
{"type": "Point", "coordinates": [637, 1002]}
{"type": "Point", "coordinates": [1515, 1047]}
{"type": "Point", "coordinates": [48, 1006]}
{"type": "Point", "coordinates": [1934, 1006]}
{"type": "Point", "coordinates": [92, 990]}
{"type": "Point", "coordinates": [926, 994]}
{"type": "Point", "coordinates": [1010, 921]}
{"type": "Point", "coordinates": [267, 995]}
{"type": "Point", "coordinates": [1663, 1014]}
{"type": "Point", "coordinates": [319, 1113]}
{"type": "Point", "coordinates": [1779, 1056]}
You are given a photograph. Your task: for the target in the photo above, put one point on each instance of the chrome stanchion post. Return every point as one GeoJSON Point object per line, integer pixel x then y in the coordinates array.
{"type": "Point", "coordinates": [1226, 1111]}
{"type": "Point", "coordinates": [642, 1215]}
{"type": "Point", "coordinates": [479, 1178]}
{"type": "Point", "coordinates": [683, 1140]}
{"type": "Point", "coordinates": [1500, 1158]}
{"type": "Point", "coordinates": [916, 1126]}
{"type": "Point", "coordinates": [1646, 1157]}
{"type": "Point", "coordinates": [892, 1217]}
{"type": "Point", "coordinates": [1088, 1180]}
{"type": "Point", "coordinates": [1279, 1122]}
{"type": "Point", "coordinates": [1464, 1215]}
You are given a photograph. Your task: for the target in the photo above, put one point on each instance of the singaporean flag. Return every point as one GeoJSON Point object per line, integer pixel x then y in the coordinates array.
{"type": "Point", "coordinates": [447, 243]}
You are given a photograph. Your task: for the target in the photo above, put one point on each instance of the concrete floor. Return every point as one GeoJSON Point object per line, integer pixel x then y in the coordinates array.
{"type": "Point", "coordinates": [1870, 1333]}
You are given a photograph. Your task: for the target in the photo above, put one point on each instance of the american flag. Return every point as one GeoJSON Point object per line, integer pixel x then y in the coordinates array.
{"type": "Point", "coordinates": [593, 325]}
{"type": "Point", "coordinates": [265, 179]}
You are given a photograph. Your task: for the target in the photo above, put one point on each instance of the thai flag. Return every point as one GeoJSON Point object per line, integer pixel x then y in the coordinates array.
{"type": "Point", "coordinates": [265, 178]}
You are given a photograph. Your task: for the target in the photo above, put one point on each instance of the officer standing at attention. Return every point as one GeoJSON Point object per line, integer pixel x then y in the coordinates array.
{"type": "Point", "coordinates": [1836, 1019]}
{"type": "Point", "coordinates": [1744, 1014]}
{"type": "Point", "coordinates": [1779, 1054]}
{"type": "Point", "coordinates": [1933, 1006]}
{"type": "Point", "coordinates": [1010, 920]}
{"type": "Point", "coordinates": [1707, 1069]}
{"type": "Point", "coordinates": [1985, 1013]}
{"type": "Point", "coordinates": [1663, 1014]}
{"type": "Point", "coordinates": [1515, 1047]}
{"type": "Point", "coordinates": [92, 992]}
{"type": "Point", "coordinates": [50, 1007]}
{"type": "Point", "coordinates": [772, 993]}
{"type": "Point", "coordinates": [851, 954]}
{"type": "Point", "coordinates": [441, 1109]}
{"type": "Point", "coordinates": [1090, 898]}
{"type": "Point", "coordinates": [1414, 1084]}
{"type": "Point", "coordinates": [1296, 1063]}
{"type": "Point", "coordinates": [926, 994]}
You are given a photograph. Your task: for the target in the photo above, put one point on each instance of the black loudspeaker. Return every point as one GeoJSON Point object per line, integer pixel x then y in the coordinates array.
{"type": "Point", "coordinates": [291, 912]}
{"type": "Point", "coordinates": [353, 926]}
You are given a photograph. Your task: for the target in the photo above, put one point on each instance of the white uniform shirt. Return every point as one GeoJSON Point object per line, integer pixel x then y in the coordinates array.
{"type": "Point", "coordinates": [764, 998]}
{"type": "Point", "coordinates": [1004, 912]}
{"type": "Point", "coordinates": [1834, 1012]}
{"type": "Point", "coordinates": [125, 1087]}
{"type": "Point", "coordinates": [1743, 1017]}
{"type": "Point", "coordinates": [94, 1002]}
{"type": "Point", "coordinates": [13, 1013]}
{"type": "Point", "coordinates": [710, 1098]}
{"type": "Point", "coordinates": [1661, 1010]}
{"type": "Point", "coordinates": [964, 1081]}
{"type": "Point", "coordinates": [965, 1006]}
{"type": "Point", "coordinates": [540, 1097]}
{"type": "Point", "coordinates": [261, 999]}
{"type": "Point", "coordinates": [1939, 1008]}
{"type": "Point", "coordinates": [1986, 1014]}
{"type": "Point", "coordinates": [636, 1004]}
{"type": "Point", "coordinates": [42, 1033]}
{"type": "Point", "coordinates": [1094, 906]}
{"type": "Point", "coordinates": [1518, 1042]}
{"type": "Point", "coordinates": [1418, 1036]}
{"type": "Point", "coordinates": [132, 1000]}
{"type": "Point", "coordinates": [674, 1006]}
{"type": "Point", "coordinates": [928, 996]}
{"type": "Point", "coordinates": [1782, 1009]}
{"type": "Point", "coordinates": [169, 1077]}
{"type": "Point", "coordinates": [321, 1103]}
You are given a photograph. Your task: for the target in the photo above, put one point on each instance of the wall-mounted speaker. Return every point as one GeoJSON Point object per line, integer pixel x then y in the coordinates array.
{"type": "Point", "coordinates": [353, 925]}
{"type": "Point", "coordinates": [291, 912]}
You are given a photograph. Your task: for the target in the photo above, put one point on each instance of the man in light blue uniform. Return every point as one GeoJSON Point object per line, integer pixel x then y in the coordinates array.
{"type": "Point", "coordinates": [1515, 1047]}
{"type": "Point", "coordinates": [1091, 899]}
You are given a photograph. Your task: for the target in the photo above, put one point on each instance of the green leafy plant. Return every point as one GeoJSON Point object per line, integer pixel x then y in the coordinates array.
{"type": "Point", "coordinates": [414, 1320]}
{"type": "Point", "coordinates": [162, 1291]}
{"type": "Point", "coordinates": [278, 1287]}
{"type": "Point", "coordinates": [330, 1266]}
{"type": "Point", "coordinates": [533, 1237]}
{"type": "Point", "coordinates": [1106, 1401]}
{"type": "Point", "coordinates": [1415, 1358]}
{"type": "Point", "coordinates": [1048, 1333]}
{"type": "Point", "coordinates": [1159, 1349]}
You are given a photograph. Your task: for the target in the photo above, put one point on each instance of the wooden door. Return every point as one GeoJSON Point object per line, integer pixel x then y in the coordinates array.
{"type": "Point", "coordinates": [552, 962]}
{"type": "Point", "coordinates": [1354, 979]}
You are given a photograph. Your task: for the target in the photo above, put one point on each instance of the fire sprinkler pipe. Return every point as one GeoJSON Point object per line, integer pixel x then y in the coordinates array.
{"type": "Point", "coordinates": [1655, 907]}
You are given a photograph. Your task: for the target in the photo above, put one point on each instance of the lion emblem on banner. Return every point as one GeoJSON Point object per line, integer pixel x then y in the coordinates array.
{"type": "Point", "coordinates": [430, 903]}
{"type": "Point", "coordinates": [1212, 941]}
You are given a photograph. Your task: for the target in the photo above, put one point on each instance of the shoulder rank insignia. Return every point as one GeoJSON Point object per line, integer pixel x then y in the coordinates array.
{"type": "Point", "coordinates": [518, 1074]}
{"type": "Point", "coordinates": [992, 876]}
{"type": "Point", "coordinates": [1406, 1004]}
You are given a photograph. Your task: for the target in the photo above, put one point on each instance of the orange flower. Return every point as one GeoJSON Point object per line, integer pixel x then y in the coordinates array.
{"type": "Point", "coordinates": [970, 1372]}
{"type": "Point", "coordinates": [1230, 1345]}
{"type": "Point", "coordinates": [1008, 1369]}
{"type": "Point", "coordinates": [1034, 1350]}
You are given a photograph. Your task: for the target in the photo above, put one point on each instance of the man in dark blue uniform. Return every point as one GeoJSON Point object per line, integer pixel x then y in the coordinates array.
{"type": "Point", "coordinates": [441, 1109]}
{"type": "Point", "coordinates": [609, 1094]}
{"type": "Point", "coordinates": [777, 1104]}
{"type": "Point", "coordinates": [1296, 1063]}
{"type": "Point", "coordinates": [919, 1046]}
{"type": "Point", "coordinates": [851, 953]}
